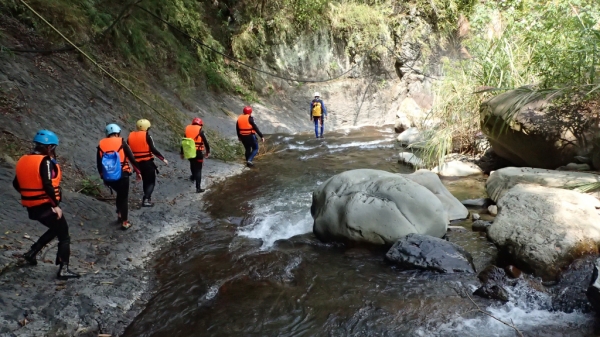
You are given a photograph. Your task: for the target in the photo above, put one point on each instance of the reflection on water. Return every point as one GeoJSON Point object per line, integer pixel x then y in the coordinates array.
{"type": "Point", "coordinates": [255, 269]}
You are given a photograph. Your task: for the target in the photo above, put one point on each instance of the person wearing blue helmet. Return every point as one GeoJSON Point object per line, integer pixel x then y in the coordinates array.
{"type": "Point", "coordinates": [37, 179]}
{"type": "Point", "coordinates": [113, 143]}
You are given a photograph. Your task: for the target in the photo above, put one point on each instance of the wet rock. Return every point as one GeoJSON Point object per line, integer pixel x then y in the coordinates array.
{"type": "Point", "coordinates": [500, 181]}
{"type": "Point", "coordinates": [409, 158]}
{"type": "Point", "coordinates": [475, 216]}
{"type": "Point", "coordinates": [492, 274]}
{"type": "Point", "coordinates": [456, 229]}
{"type": "Point", "coordinates": [575, 167]}
{"type": "Point", "coordinates": [426, 252]}
{"type": "Point", "coordinates": [513, 271]}
{"type": "Point", "coordinates": [493, 291]}
{"type": "Point", "coordinates": [376, 207]}
{"type": "Point", "coordinates": [480, 226]}
{"type": "Point", "coordinates": [542, 230]}
{"type": "Point", "coordinates": [410, 136]}
{"type": "Point", "coordinates": [593, 291]}
{"type": "Point", "coordinates": [432, 182]}
{"type": "Point", "coordinates": [493, 210]}
{"type": "Point", "coordinates": [457, 168]}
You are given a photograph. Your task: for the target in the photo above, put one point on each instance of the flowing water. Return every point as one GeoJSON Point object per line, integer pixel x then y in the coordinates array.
{"type": "Point", "coordinates": [252, 267]}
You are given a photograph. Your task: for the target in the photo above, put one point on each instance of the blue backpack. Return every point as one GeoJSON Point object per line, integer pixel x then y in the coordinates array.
{"type": "Point", "coordinates": [111, 166]}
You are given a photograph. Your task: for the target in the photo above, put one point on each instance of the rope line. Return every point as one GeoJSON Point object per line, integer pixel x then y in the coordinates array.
{"type": "Point", "coordinates": [96, 64]}
{"type": "Point", "coordinates": [81, 44]}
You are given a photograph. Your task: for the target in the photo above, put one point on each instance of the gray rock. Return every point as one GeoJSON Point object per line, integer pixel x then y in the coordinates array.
{"type": "Point", "coordinates": [574, 167]}
{"type": "Point", "coordinates": [426, 252]}
{"type": "Point", "coordinates": [411, 159]}
{"type": "Point", "coordinates": [535, 135]}
{"type": "Point", "coordinates": [542, 230]}
{"type": "Point", "coordinates": [481, 226]}
{"type": "Point", "coordinates": [456, 168]}
{"type": "Point", "coordinates": [481, 202]}
{"type": "Point", "coordinates": [493, 210]}
{"type": "Point", "coordinates": [410, 136]}
{"type": "Point", "coordinates": [432, 182]}
{"type": "Point", "coordinates": [593, 291]}
{"type": "Point", "coordinates": [502, 180]}
{"type": "Point", "coordinates": [475, 216]}
{"type": "Point", "coordinates": [377, 207]}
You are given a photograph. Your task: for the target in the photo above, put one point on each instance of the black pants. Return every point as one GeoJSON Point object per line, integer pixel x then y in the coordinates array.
{"type": "Point", "coordinates": [250, 145]}
{"type": "Point", "coordinates": [121, 187]}
{"type": "Point", "coordinates": [56, 228]}
{"type": "Point", "coordinates": [148, 171]}
{"type": "Point", "coordinates": [196, 168]}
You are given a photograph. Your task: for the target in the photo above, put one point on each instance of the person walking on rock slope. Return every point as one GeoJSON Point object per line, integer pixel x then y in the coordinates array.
{"type": "Point", "coordinates": [38, 180]}
{"type": "Point", "coordinates": [318, 113]}
{"type": "Point", "coordinates": [246, 131]}
{"type": "Point", "coordinates": [114, 161]}
{"type": "Point", "coordinates": [143, 149]}
{"type": "Point", "coordinates": [194, 132]}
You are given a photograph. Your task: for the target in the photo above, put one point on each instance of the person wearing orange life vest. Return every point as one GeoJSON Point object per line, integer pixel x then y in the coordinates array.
{"type": "Point", "coordinates": [142, 146]}
{"type": "Point", "coordinates": [246, 131]}
{"type": "Point", "coordinates": [38, 180]}
{"type": "Point", "coordinates": [114, 142]}
{"type": "Point", "coordinates": [195, 132]}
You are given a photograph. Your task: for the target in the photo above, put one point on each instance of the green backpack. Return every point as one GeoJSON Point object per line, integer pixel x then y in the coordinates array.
{"type": "Point", "coordinates": [189, 148]}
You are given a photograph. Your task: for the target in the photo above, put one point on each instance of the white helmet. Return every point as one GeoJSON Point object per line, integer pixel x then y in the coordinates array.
{"type": "Point", "coordinates": [317, 94]}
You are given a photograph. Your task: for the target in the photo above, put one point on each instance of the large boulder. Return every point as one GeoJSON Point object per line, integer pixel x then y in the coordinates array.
{"type": "Point", "coordinates": [502, 180]}
{"type": "Point", "coordinates": [455, 209]}
{"type": "Point", "coordinates": [377, 207]}
{"type": "Point", "coordinates": [417, 251]}
{"type": "Point", "coordinates": [537, 134]}
{"type": "Point", "coordinates": [542, 230]}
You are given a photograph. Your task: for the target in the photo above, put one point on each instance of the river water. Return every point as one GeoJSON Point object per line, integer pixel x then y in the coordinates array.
{"type": "Point", "coordinates": [252, 267]}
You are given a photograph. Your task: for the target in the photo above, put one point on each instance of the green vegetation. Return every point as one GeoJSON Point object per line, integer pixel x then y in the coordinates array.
{"type": "Point", "coordinates": [223, 148]}
{"type": "Point", "coordinates": [91, 187]}
{"type": "Point", "coordinates": [552, 47]}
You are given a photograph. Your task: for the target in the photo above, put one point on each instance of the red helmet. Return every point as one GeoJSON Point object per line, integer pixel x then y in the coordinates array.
{"type": "Point", "coordinates": [197, 121]}
{"type": "Point", "coordinates": [247, 110]}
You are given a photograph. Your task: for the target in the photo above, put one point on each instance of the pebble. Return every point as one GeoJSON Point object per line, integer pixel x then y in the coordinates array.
{"type": "Point", "coordinates": [475, 216]}
{"type": "Point", "coordinates": [493, 210]}
{"type": "Point", "coordinates": [513, 271]}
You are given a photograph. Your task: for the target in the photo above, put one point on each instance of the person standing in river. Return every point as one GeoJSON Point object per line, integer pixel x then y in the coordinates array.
{"type": "Point", "coordinates": [246, 131]}
{"type": "Point", "coordinates": [143, 149]}
{"type": "Point", "coordinates": [318, 113]}
{"type": "Point", "coordinates": [114, 161]}
{"type": "Point", "coordinates": [37, 179]}
{"type": "Point", "coordinates": [195, 134]}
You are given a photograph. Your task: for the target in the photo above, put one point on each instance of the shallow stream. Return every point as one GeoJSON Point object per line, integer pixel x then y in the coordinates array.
{"type": "Point", "coordinates": [252, 266]}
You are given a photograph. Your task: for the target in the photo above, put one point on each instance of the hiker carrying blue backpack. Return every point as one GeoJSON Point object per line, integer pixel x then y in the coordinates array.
{"type": "Point", "coordinates": [115, 160]}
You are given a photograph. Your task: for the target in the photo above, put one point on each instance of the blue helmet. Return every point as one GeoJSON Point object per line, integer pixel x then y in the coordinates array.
{"type": "Point", "coordinates": [112, 128]}
{"type": "Point", "coordinates": [46, 137]}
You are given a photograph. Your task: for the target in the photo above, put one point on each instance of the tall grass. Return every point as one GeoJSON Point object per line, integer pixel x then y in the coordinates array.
{"type": "Point", "coordinates": [546, 47]}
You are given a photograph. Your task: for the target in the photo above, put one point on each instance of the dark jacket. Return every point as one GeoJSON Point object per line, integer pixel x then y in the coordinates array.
{"type": "Point", "coordinates": [323, 108]}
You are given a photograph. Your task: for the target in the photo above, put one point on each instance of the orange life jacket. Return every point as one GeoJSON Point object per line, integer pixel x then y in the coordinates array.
{"type": "Point", "coordinates": [244, 125]}
{"type": "Point", "coordinates": [115, 144]}
{"type": "Point", "coordinates": [193, 131]}
{"type": "Point", "coordinates": [30, 181]}
{"type": "Point", "coordinates": [139, 146]}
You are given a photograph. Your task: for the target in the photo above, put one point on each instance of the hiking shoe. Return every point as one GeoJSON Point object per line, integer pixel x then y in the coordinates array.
{"type": "Point", "coordinates": [249, 164]}
{"type": "Point", "coordinates": [199, 190]}
{"type": "Point", "coordinates": [147, 203]}
{"type": "Point", "coordinates": [126, 225]}
{"type": "Point", "coordinates": [64, 273]}
{"type": "Point", "coordinates": [30, 257]}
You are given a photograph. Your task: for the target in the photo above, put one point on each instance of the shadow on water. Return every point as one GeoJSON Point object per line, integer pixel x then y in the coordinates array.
{"type": "Point", "coordinates": [255, 269]}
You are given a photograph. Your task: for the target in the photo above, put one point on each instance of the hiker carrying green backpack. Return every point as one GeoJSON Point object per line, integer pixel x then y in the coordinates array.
{"type": "Point", "coordinates": [193, 144]}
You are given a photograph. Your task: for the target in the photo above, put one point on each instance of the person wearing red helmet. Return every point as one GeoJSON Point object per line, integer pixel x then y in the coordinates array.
{"type": "Point", "coordinates": [246, 131]}
{"type": "Point", "coordinates": [195, 132]}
